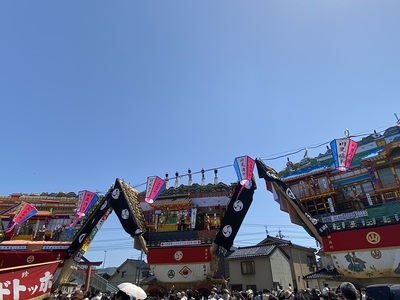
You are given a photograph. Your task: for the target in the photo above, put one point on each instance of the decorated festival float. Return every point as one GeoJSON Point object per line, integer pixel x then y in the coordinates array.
{"type": "Point", "coordinates": [348, 199]}
{"type": "Point", "coordinates": [185, 230]}
{"type": "Point", "coordinates": [35, 238]}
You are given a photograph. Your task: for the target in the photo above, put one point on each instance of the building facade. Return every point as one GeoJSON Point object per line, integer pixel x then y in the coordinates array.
{"type": "Point", "coordinates": [272, 264]}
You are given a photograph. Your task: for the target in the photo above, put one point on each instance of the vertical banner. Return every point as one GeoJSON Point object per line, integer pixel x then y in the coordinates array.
{"type": "Point", "coordinates": [193, 218]}
{"type": "Point", "coordinates": [27, 283]}
{"type": "Point", "coordinates": [234, 216]}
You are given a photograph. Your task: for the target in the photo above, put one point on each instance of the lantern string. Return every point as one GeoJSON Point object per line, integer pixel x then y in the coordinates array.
{"type": "Point", "coordinates": [272, 157]}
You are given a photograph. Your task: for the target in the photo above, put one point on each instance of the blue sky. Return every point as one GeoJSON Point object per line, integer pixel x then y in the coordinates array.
{"type": "Point", "coordinates": [95, 90]}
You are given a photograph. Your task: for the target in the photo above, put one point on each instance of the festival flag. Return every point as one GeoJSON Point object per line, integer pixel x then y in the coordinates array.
{"type": "Point", "coordinates": [314, 227]}
{"type": "Point", "coordinates": [28, 282]}
{"type": "Point", "coordinates": [343, 151]}
{"type": "Point", "coordinates": [26, 211]}
{"type": "Point", "coordinates": [85, 203]}
{"type": "Point", "coordinates": [155, 186]}
{"type": "Point", "coordinates": [93, 219]}
{"type": "Point", "coordinates": [123, 205]}
{"type": "Point", "coordinates": [234, 216]}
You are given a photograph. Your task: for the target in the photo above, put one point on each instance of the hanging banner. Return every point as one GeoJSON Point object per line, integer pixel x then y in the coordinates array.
{"type": "Point", "coordinates": [91, 222]}
{"type": "Point", "coordinates": [343, 151]}
{"type": "Point", "coordinates": [317, 228]}
{"type": "Point", "coordinates": [120, 203]}
{"type": "Point", "coordinates": [155, 186]}
{"type": "Point", "coordinates": [234, 216]}
{"type": "Point", "coordinates": [27, 283]}
{"type": "Point", "coordinates": [26, 211]}
{"type": "Point", "coordinates": [85, 203]}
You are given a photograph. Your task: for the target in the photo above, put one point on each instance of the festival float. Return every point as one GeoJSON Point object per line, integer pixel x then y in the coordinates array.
{"type": "Point", "coordinates": [36, 236]}
{"type": "Point", "coordinates": [185, 230]}
{"type": "Point", "coordinates": [348, 199]}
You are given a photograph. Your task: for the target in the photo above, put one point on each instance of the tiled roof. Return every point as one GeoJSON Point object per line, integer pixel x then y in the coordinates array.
{"type": "Point", "coordinates": [323, 273]}
{"type": "Point", "coordinates": [253, 251]}
{"type": "Point", "coordinates": [305, 171]}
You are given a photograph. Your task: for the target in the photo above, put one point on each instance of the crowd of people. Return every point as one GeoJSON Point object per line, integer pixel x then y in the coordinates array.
{"type": "Point", "coordinates": [346, 291]}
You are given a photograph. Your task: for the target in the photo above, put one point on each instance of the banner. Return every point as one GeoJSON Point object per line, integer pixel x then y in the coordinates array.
{"type": "Point", "coordinates": [27, 283]}
{"type": "Point", "coordinates": [26, 211]}
{"type": "Point", "coordinates": [155, 186]}
{"type": "Point", "coordinates": [234, 216]}
{"type": "Point", "coordinates": [120, 205]}
{"type": "Point", "coordinates": [86, 201]}
{"type": "Point", "coordinates": [89, 225]}
{"type": "Point", "coordinates": [317, 228]}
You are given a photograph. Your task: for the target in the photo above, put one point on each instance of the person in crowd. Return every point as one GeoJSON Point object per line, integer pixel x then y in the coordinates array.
{"type": "Point", "coordinates": [225, 294]}
{"type": "Point", "coordinates": [325, 291]}
{"type": "Point", "coordinates": [77, 295]}
{"type": "Point", "coordinates": [122, 296]}
{"type": "Point", "coordinates": [183, 296]}
{"type": "Point", "coordinates": [178, 295]}
{"type": "Point", "coordinates": [97, 296]}
{"type": "Point", "coordinates": [213, 294]}
{"type": "Point", "coordinates": [189, 294]}
{"type": "Point", "coordinates": [249, 294]}
{"type": "Point", "coordinates": [304, 295]}
{"type": "Point", "coordinates": [285, 295]}
{"type": "Point", "coordinates": [348, 291]}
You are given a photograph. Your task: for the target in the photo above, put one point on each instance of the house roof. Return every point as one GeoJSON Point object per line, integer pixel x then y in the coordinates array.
{"type": "Point", "coordinates": [323, 273]}
{"type": "Point", "coordinates": [252, 251]}
{"type": "Point", "coordinates": [270, 240]}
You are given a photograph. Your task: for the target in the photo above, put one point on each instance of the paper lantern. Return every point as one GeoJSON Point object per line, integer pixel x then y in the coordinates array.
{"type": "Point", "coordinates": [85, 203]}
{"type": "Point", "coordinates": [343, 151]}
{"type": "Point", "coordinates": [155, 186]}
{"type": "Point", "coordinates": [26, 211]}
{"type": "Point", "coordinates": [244, 166]}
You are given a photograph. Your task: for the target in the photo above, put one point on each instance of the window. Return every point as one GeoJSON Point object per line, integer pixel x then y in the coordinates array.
{"type": "Point", "coordinates": [386, 177]}
{"type": "Point", "coordinates": [247, 267]}
{"type": "Point", "coordinates": [123, 274]}
{"type": "Point", "coordinates": [310, 261]}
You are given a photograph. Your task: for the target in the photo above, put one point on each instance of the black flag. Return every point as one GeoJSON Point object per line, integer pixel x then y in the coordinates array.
{"type": "Point", "coordinates": [317, 228]}
{"type": "Point", "coordinates": [234, 216]}
{"type": "Point", "coordinates": [130, 220]}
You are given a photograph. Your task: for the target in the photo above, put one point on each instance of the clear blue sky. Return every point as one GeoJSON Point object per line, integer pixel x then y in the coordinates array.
{"type": "Point", "coordinates": [95, 90]}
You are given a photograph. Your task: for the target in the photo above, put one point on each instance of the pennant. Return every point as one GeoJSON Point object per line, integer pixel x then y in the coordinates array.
{"type": "Point", "coordinates": [91, 222]}
{"type": "Point", "coordinates": [26, 211]}
{"type": "Point", "coordinates": [234, 216]}
{"type": "Point", "coordinates": [244, 166]}
{"type": "Point", "coordinates": [85, 203]}
{"type": "Point", "coordinates": [155, 186]}
{"type": "Point", "coordinates": [28, 282]}
{"type": "Point", "coordinates": [317, 228]}
{"type": "Point", "coordinates": [343, 151]}
{"type": "Point", "coordinates": [120, 204]}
